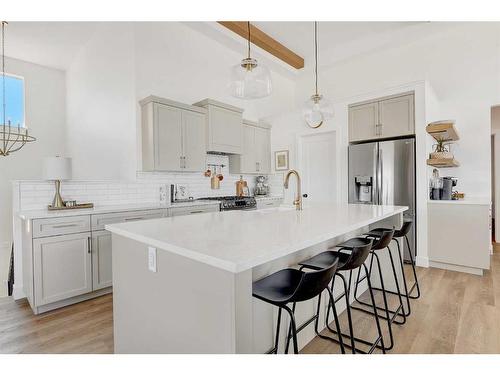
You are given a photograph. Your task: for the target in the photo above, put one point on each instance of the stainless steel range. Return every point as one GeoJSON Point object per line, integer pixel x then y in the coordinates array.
{"type": "Point", "coordinates": [234, 203]}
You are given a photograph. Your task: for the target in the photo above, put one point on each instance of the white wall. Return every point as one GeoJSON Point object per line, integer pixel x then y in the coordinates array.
{"type": "Point", "coordinates": [101, 130]}
{"type": "Point", "coordinates": [123, 63]}
{"type": "Point", "coordinates": [45, 98]}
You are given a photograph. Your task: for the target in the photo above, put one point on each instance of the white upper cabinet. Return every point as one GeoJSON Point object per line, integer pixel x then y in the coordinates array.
{"type": "Point", "coordinates": [173, 136]}
{"type": "Point", "coordinates": [224, 127]}
{"type": "Point", "coordinates": [382, 118]}
{"type": "Point", "coordinates": [397, 116]}
{"type": "Point", "coordinates": [256, 156]}
{"type": "Point", "coordinates": [363, 121]}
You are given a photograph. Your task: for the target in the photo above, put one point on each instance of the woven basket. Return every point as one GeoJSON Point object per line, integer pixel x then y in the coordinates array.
{"type": "Point", "coordinates": [441, 155]}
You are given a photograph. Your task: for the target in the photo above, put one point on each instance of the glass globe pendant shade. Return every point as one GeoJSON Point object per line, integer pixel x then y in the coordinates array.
{"type": "Point", "coordinates": [316, 110]}
{"type": "Point", "coordinates": [250, 80]}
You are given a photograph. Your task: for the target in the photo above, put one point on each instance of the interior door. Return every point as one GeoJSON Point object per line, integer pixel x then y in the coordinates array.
{"type": "Point", "coordinates": [319, 167]}
{"type": "Point", "coordinates": [363, 173]}
{"type": "Point", "coordinates": [396, 116]}
{"type": "Point", "coordinates": [363, 121]}
{"type": "Point", "coordinates": [193, 141]}
{"type": "Point", "coordinates": [62, 267]}
{"type": "Point", "coordinates": [168, 138]}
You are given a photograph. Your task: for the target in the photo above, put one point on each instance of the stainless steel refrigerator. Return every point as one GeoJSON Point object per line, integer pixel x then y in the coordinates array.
{"type": "Point", "coordinates": [384, 173]}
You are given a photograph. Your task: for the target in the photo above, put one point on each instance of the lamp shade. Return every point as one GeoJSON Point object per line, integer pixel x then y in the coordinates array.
{"type": "Point", "coordinates": [57, 168]}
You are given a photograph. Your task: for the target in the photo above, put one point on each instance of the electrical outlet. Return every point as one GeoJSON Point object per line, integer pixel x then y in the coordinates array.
{"type": "Point", "coordinates": [152, 258]}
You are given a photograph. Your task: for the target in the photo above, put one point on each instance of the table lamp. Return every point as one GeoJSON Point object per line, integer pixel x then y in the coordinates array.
{"type": "Point", "coordinates": [57, 168]}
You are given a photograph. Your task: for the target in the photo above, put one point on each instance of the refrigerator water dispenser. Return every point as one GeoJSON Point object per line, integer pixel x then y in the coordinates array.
{"type": "Point", "coordinates": [363, 188]}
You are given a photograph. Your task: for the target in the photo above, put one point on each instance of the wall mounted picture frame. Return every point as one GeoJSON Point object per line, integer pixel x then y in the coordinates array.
{"type": "Point", "coordinates": [281, 162]}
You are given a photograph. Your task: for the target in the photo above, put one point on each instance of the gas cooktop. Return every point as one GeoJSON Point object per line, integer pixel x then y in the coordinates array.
{"type": "Point", "coordinates": [234, 202]}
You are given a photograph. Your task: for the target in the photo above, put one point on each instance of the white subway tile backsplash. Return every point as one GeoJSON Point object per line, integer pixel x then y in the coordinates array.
{"type": "Point", "coordinates": [38, 194]}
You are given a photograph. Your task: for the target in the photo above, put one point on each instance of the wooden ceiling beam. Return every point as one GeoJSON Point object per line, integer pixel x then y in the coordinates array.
{"type": "Point", "coordinates": [264, 41]}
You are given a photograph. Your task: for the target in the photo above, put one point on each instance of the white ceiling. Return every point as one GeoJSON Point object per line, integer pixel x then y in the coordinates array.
{"type": "Point", "coordinates": [55, 44]}
{"type": "Point", "coordinates": [52, 44]}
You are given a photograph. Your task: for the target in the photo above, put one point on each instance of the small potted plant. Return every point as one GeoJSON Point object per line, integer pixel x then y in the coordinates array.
{"type": "Point", "coordinates": [441, 150]}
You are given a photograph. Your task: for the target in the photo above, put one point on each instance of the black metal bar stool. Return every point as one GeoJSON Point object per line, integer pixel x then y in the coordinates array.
{"type": "Point", "coordinates": [348, 262]}
{"type": "Point", "coordinates": [291, 286]}
{"type": "Point", "coordinates": [381, 243]}
{"type": "Point", "coordinates": [403, 232]}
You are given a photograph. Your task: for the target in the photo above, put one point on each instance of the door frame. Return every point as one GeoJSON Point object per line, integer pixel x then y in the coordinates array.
{"type": "Point", "coordinates": [299, 139]}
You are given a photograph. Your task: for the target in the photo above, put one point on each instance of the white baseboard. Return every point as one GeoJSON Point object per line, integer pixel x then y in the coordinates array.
{"type": "Point", "coordinates": [457, 268]}
{"type": "Point", "coordinates": [422, 262]}
{"type": "Point", "coordinates": [18, 292]}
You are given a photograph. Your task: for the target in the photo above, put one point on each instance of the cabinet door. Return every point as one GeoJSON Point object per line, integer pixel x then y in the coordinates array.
{"type": "Point", "coordinates": [193, 141]}
{"type": "Point", "coordinates": [102, 276]}
{"type": "Point", "coordinates": [225, 128]}
{"type": "Point", "coordinates": [396, 116]}
{"type": "Point", "coordinates": [363, 121]}
{"type": "Point", "coordinates": [263, 149]}
{"type": "Point", "coordinates": [168, 138]}
{"type": "Point", "coordinates": [62, 267]}
{"type": "Point", "coordinates": [249, 155]}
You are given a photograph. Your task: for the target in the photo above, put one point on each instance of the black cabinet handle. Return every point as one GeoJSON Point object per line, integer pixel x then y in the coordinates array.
{"type": "Point", "coordinates": [304, 195]}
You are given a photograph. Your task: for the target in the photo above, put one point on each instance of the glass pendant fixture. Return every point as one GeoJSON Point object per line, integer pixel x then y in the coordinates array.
{"type": "Point", "coordinates": [12, 138]}
{"type": "Point", "coordinates": [317, 109]}
{"type": "Point", "coordinates": [249, 79]}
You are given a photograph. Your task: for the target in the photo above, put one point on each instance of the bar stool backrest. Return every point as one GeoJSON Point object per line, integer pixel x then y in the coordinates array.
{"type": "Point", "coordinates": [358, 255]}
{"type": "Point", "coordinates": [384, 240]}
{"type": "Point", "coordinates": [313, 283]}
{"type": "Point", "coordinates": [404, 229]}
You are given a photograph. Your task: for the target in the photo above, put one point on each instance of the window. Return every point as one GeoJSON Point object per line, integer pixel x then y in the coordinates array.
{"type": "Point", "coordinates": [14, 93]}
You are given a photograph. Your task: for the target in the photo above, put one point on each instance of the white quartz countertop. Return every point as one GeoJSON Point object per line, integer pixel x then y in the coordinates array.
{"type": "Point", "coordinates": [471, 200]}
{"type": "Point", "coordinates": [240, 240]}
{"type": "Point", "coordinates": [40, 214]}
{"type": "Point", "coordinates": [195, 202]}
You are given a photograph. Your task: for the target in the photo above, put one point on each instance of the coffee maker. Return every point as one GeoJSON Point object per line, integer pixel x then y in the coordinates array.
{"type": "Point", "coordinates": [441, 188]}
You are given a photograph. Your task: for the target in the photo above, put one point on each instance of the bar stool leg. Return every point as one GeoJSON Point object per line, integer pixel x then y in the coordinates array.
{"type": "Point", "coordinates": [404, 279]}
{"type": "Point", "coordinates": [289, 334]}
{"type": "Point", "coordinates": [336, 318]}
{"type": "Point", "coordinates": [278, 326]}
{"type": "Point", "coordinates": [398, 290]}
{"type": "Point", "coordinates": [384, 295]}
{"type": "Point", "coordinates": [294, 329]}
{"type": "Point", "coordinates": [379, 330]}
{"type": "Point", "coordinates": [414, 272]}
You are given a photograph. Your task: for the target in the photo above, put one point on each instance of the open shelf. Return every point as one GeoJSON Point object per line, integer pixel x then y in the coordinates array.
{"type": "Point", "coordinates": [443, 163]}
{"type": "Point", "coordinates": [444, 130]}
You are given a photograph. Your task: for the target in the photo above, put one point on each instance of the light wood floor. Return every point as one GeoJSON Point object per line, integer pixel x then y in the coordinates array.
{"type": "Point", "coordinates": [457, 313]}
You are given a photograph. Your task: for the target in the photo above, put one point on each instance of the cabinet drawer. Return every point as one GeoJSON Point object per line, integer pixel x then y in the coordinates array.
{"type": "Point", "coordinates": [179, 211]}
{"type": "Point", "coordinates": [100, 221]}
{"type": "Point", "coordinates": [60, 225]}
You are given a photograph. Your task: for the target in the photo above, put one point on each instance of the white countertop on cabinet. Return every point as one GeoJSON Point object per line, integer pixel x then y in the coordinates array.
{"type": "Point", "coordinates": [240, 240]}
{"type": "Point", "coordinates": [42, 214]}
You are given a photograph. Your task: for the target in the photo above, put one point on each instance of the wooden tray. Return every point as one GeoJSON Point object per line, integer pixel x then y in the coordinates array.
{"type": "Point", "coordinates": [443, 163]}
{"type": "Point", "coordinates": [78, 206]}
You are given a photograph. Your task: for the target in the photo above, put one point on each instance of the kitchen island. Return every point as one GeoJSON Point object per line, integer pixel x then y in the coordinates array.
{"type": "Point", "coordinates": [184, 284]}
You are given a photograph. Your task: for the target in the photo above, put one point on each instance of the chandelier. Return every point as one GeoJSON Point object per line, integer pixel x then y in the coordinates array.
{"type": "Point", "coordinates": [12, 138]}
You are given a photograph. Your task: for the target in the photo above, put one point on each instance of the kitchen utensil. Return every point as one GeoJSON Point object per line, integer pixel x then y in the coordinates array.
{"type": "Point", "coordinates": [241, 184]}
{"type": "Point", "coordinates": [214, 181]}
{"type": "Point", "coordinates": [208, 172]}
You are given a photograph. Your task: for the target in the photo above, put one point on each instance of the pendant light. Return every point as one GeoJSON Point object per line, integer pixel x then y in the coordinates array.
{"type": "Point", "coordinates": [12, 138]}
{"type": "Point", "coordinates": [317, 109]}
{"type": "Point", "coordinates": [249, 79]}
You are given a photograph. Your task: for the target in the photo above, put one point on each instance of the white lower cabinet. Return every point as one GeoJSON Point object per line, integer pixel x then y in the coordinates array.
{"type": "Point", "coordinates": [182, 211]}
{"type": "Point", "coordinates": [102, 276]}
{"type": "Point", "coordinates": [62, 267]}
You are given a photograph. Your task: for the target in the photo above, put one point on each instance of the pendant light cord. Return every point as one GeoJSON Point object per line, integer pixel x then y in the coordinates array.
{"type": "Point", "coordinates": [316, 54]}
{"type": "Point", "coordinates": [3, 83]}
{"type": "Point", "coordinates": [248, 25]}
